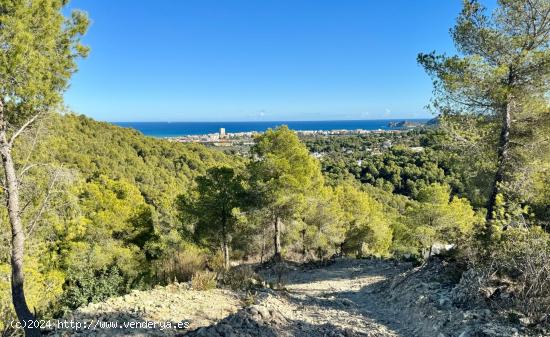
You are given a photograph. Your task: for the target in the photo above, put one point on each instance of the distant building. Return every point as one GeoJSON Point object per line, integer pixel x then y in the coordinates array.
{"type": "Point", "coordinates": [222, 133]}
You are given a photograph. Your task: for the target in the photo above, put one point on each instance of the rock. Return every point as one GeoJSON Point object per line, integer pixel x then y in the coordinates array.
{"type": "Point", "coordinates": [485, 313]}
{"type": "Point", "coordinates": [264, 312]}
{"type": "Point", "coordinates": [349, 298]}
{"type": "Point", "coordinates": [525, 321]}
{"type": "Point", "coordinates": [277, 318]}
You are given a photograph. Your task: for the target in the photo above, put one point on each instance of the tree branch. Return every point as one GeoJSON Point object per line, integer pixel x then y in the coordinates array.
{"type": "Point", "coordinates": [29, 154]}
{"type": "Point", "coordinates": [27, 168]}
{"type": "Point", "coordinates": [22, 128]}
{"type": "Point", "coordinates": [38, 214]}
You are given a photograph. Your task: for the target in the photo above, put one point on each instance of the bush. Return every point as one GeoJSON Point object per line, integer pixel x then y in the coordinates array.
{"type": "Point", "coordinates": [85, 286]}
{"type": "Point", "coordinates": [515, 274]}
{"type": "Point", "coordinates": [216, 262]}
{"type": "Point", "coordinates": [42, 290]}
{"type": "Point", "coordinates": [180, 265]}
{"type": "Point", "coordinates": [241, 278]}
{"type": "Point", "coordinates": [203, 280]}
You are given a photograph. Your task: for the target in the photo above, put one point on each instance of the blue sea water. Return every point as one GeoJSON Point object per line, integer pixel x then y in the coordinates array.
{"type": "Point", "coordinates": [174, 129]}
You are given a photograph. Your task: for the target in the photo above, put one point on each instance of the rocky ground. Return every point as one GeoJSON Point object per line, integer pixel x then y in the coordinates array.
{"type": "Point", "coordinates": [345, 297]}
{"type": "Point", "coordinates": [174, 304]}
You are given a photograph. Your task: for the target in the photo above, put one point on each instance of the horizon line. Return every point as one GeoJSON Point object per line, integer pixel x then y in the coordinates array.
{"type": "Point", "coordinates": [273, 121]}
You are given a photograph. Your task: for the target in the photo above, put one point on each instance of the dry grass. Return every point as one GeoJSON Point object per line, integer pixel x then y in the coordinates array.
{"type": "Point", "coordinates": [515, 277]}
{"type": "Point", "coordinates": [241, 277]}
{"type": "Point", "coordinates": [203, 280]}
{"type": "Point", "coordinates": [180, 265]}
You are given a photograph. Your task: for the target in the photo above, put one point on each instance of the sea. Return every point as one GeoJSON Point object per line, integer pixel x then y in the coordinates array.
{"type": "Point", "coordinates": [175, 129]}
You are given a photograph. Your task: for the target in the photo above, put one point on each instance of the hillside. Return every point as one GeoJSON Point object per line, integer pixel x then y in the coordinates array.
{"type": "Point", "coordinates": [366, 298]}
{"type": "Point", "coordinates": [103, 199]}
{"type": "Point", "coordinates": [440, 230]}
{"type": "Point", "coordinates": [160, 169]}
{"type": "Point", "coordinates": [118, 212]}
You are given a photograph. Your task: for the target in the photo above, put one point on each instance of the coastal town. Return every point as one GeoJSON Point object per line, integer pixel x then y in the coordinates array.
{"type": "Point", "coordinates": [227, 139]}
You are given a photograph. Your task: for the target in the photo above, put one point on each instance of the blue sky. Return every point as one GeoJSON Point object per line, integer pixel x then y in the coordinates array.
{"type": "Point", "coordinates": [239, 60]}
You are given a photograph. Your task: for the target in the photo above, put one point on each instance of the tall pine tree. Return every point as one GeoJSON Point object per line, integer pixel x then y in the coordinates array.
{"type": "Point", "coordinates": [501, 78]}
{"type": "Point", "coordinates": [37, 58]}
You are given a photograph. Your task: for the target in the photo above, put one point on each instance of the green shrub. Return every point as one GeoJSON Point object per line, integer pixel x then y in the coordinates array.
{"type": "Point", "coordinates": [42, 289]}
{"type": "Point", "coordinates": [203, 280]}
{"type": "Point", "coordinates": [84, 286]}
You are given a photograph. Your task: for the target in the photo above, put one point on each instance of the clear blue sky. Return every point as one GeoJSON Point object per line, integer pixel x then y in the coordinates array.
{"type": "Point", "coordinates": [237, 60]}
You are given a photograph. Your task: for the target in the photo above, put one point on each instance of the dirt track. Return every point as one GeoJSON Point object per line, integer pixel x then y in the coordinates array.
{"type": "Point", "coordinates": [347, 297]}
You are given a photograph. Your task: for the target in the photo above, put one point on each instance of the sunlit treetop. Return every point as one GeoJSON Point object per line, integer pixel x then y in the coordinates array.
{"type": "Point", "coordinates": [38, 51]}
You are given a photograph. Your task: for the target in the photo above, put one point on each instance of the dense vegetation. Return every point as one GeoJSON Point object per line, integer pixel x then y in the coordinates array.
{"type": "Point", "coordinates": [401, 163]}
{"type": "Point", "coordinates": [106, 227]}
{"type": "Point", "coordinates": [103, 201]}
{"type": "Point", "coordinates": [118, 210]}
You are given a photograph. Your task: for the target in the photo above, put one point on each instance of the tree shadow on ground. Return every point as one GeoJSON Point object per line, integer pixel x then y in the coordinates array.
{"type": "Point", "coordinates": [333, 270]}
{"type": "Point", "coordinates": [243, 324]}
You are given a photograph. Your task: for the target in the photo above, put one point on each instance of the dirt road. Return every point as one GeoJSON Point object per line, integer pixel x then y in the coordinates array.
{"type": "Point", "coordinates": [346, 297]}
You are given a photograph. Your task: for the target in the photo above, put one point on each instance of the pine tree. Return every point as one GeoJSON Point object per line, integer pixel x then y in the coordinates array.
{"type": "Point", "coordinates": [501, 78]}
{"type": "Point", "coordinates": [37, 58]}
{"type": "Point", "coordinates": [283, 173]}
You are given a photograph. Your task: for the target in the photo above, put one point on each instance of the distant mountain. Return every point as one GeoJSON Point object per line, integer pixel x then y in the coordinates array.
{"type": "Point", "coordinates": [434, 121]}
{"type": "Point", "coordinates": [404, 124]}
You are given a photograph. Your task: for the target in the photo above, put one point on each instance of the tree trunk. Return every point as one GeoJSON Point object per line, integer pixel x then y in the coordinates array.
{"type": "Point", "coordinates": [277, 239]}
{"type": "Point", "coordinates": [503, 157]}
{"type": "Point", "coordinates": [225, 247]}
{"type": "Point", "coordinates": [17, 231]}
{"type": "Point", "coordinates": [262, 253]}
{"type": "Point", "coordinates": [342, 245]}
{"type": "Point", "coordinates": [304, 250]}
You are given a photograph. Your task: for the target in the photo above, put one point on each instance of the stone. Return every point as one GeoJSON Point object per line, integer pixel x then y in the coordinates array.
{"type": "Point", "coordinates": [525, 321]}
{"type": "Point", "coordinates": [263, 312]}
